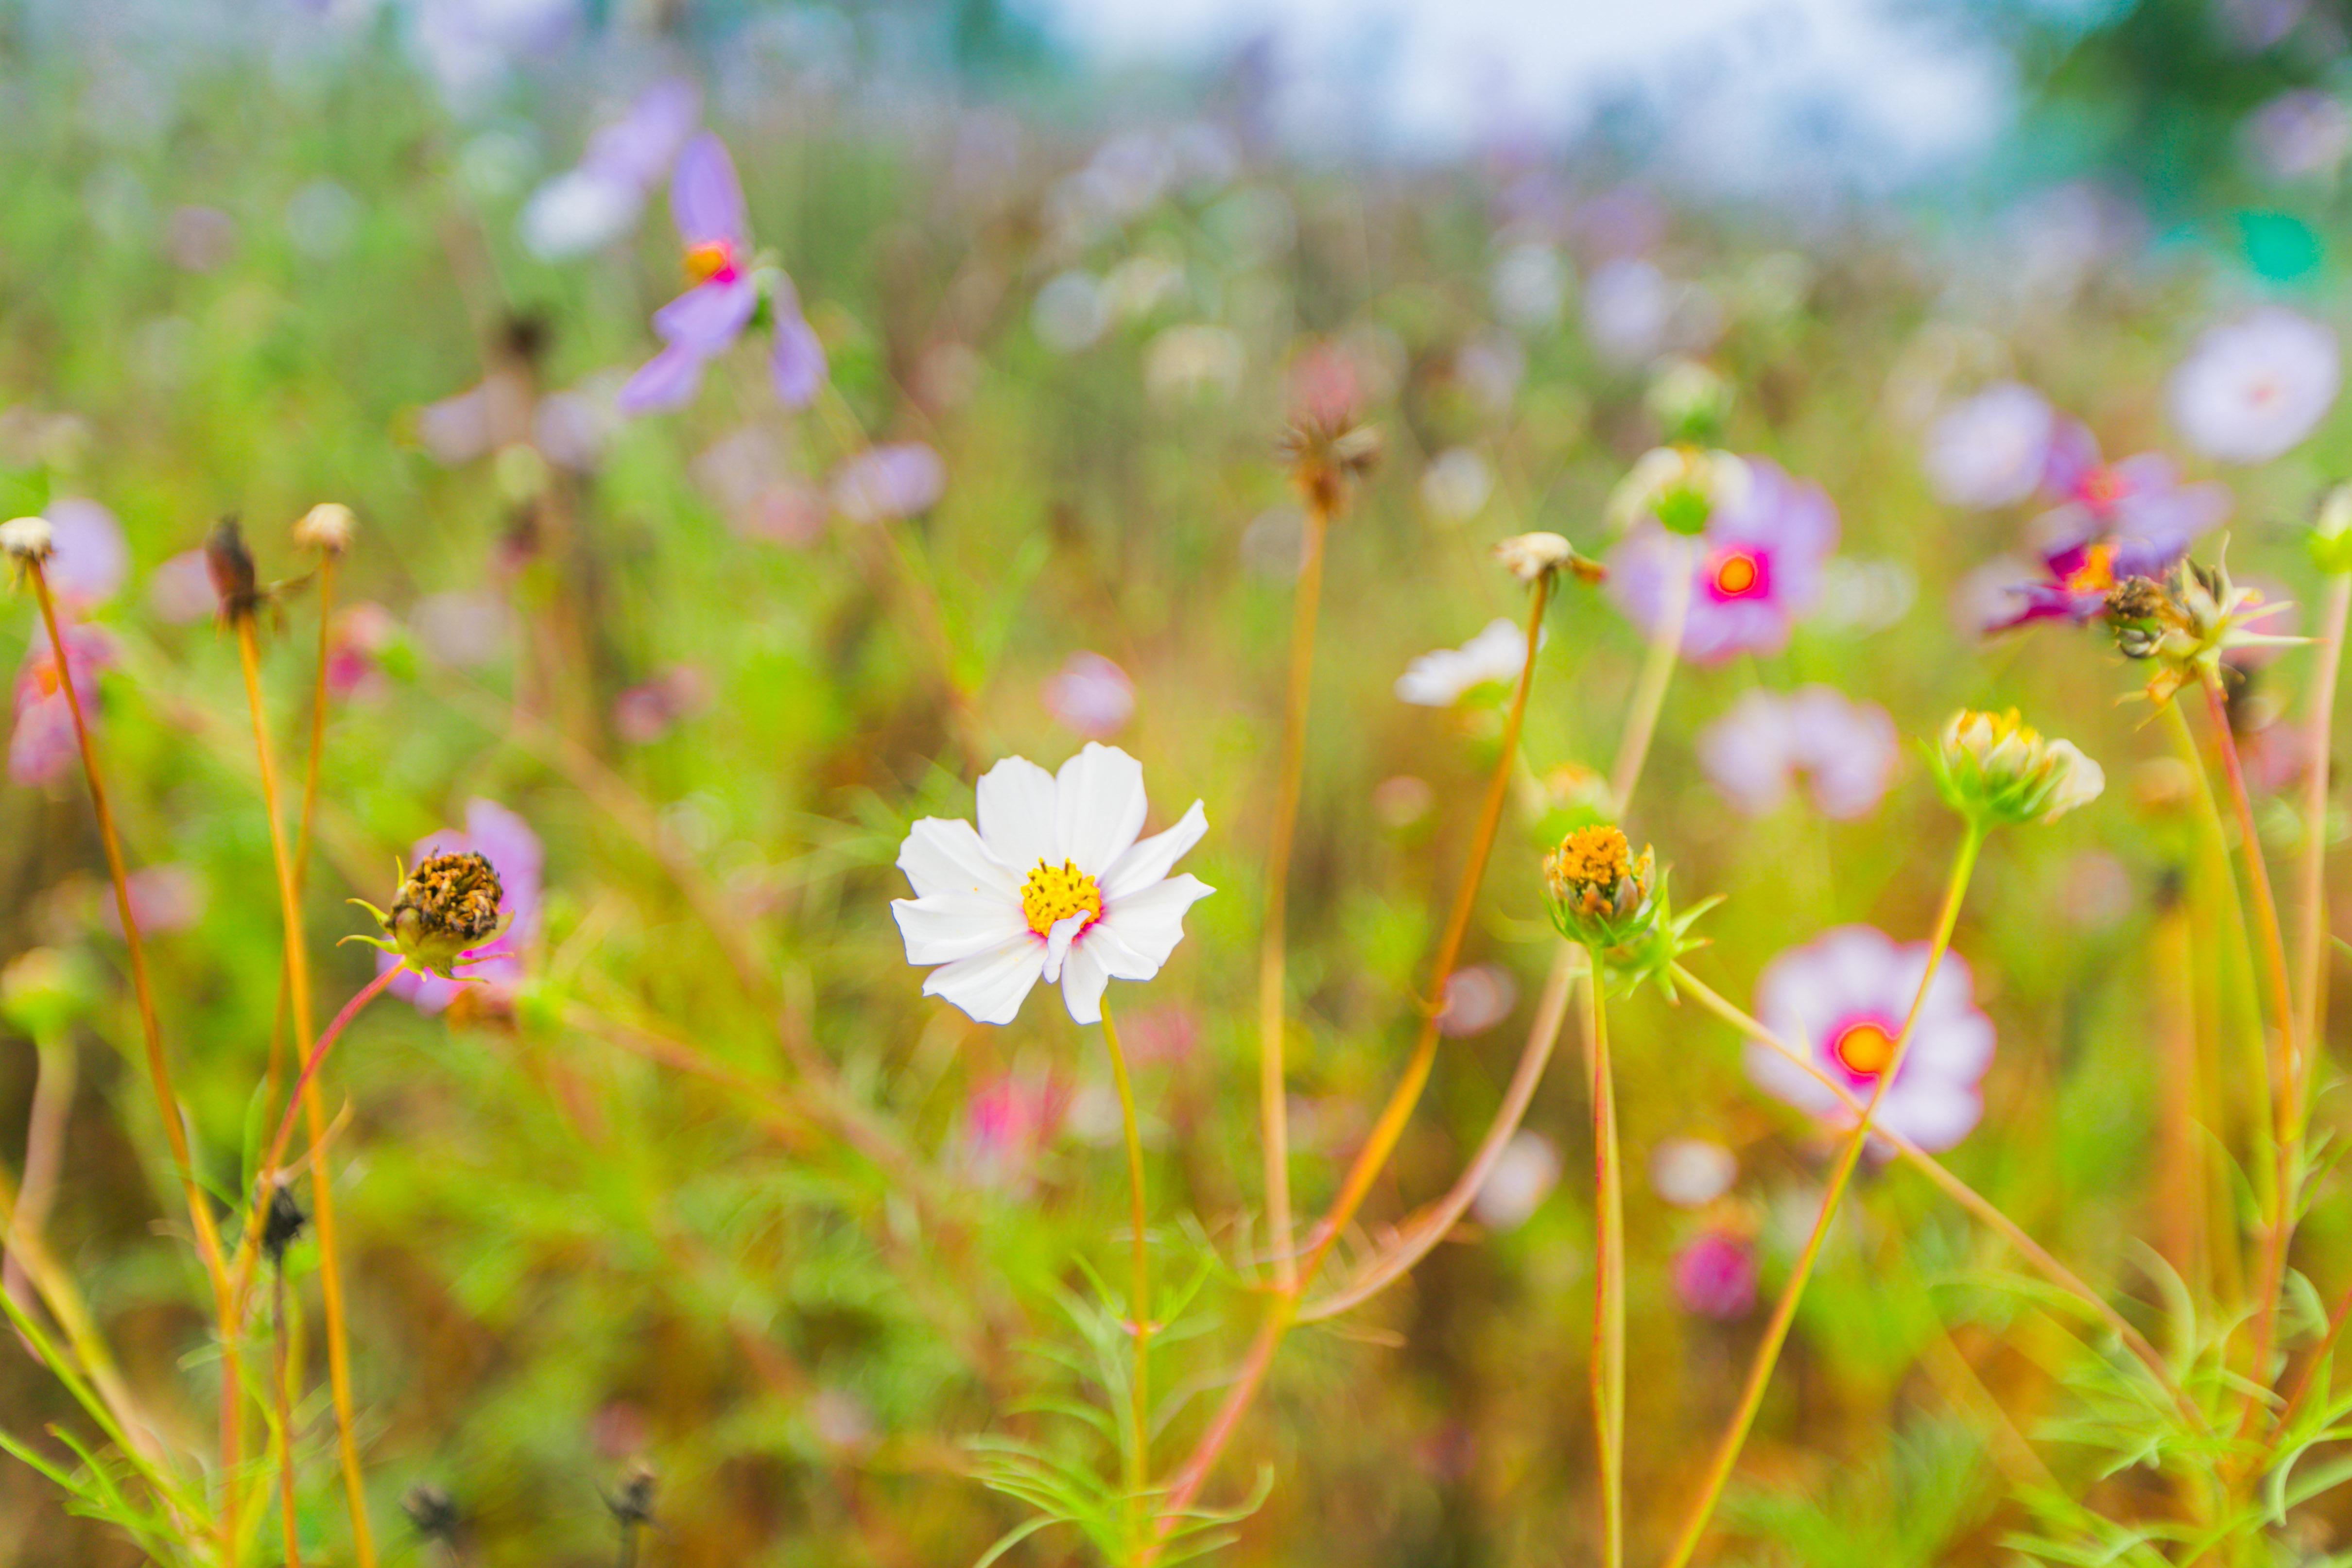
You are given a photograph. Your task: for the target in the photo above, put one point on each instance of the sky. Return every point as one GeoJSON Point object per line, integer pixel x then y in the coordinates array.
{"type": "Point", "coordinates": [1740, 95]}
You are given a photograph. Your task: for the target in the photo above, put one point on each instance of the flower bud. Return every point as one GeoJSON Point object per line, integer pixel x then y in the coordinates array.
{"type": "Point", "coordinates": [1691, 401]}
{"type": "Point", "coordinates": [1682, 486]}
{"type": "Point", "coordinates": [1993, 769]}
{"type": "Point", "coordinates": [230, 566]}
{"type": "Point", "coordinates": [326, 528]}
{"type": "Point", "coordinates": [1531, 556]}
{"type": "Point", "coordinates": [1600, 890]}
{"type": "Point", "coordinates": [2331, 532]}
{"type": "Point", "coordinates": [43, 990]}
{"type": "Point", "coordinates": [26, 541]}
{"type": "Point", "coordinates": [446, 908]}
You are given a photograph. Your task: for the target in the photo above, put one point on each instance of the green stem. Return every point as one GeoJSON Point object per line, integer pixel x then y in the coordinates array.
{"type": "Point", "coordinates": [1784, 1311]}
{"type": "Point", "coordinates": [1138, 1297]}
{"type": "Point", "coordinates": [1609, 1278]}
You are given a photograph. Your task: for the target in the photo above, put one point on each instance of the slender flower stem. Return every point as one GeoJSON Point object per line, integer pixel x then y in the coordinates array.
{"type": "Point", "coordinates": [2311, 902]}
{"type": "Point", "coordinates": [1960, 1191]}
{"type": "Point", "coordinates": [1608, 1278]}
{"type": "Point", "coordinates": [281, 1387]}
{"type": "Point", "coordinates": [273, 1162]}
{"type": "Point", "coordinates": [2286, 1128]}
{"type": "Point", "coordinates": [309, 803]}
{"type": "Point", "coordinates": [1649, 690]}
{"type": "Point", "coordinates": [159, 1072]}
{"type": "Point", "coordinates": [322, 1196]}
{"type": "Point", "coordinates": [54, 1078]}
{"type": "Point", "coordinates": [1274, 1111]}
{"type": "Point", "coordinates": [1139, 1289]}
{"type": "Point", "coordinates": [1281, 1309]}
{"type": "Point", "coordinates": [1784, 1311]}
{"type": "Point", "coordinates": [55, 1288]}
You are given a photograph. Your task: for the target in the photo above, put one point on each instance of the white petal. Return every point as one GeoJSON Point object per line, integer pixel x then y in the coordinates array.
{"type": "Point", "coordinates": [989, 986]}
{"type": "Point", "coordinates": [1783, 1078]}
{"type": "Point", "coordinates": [1082, 981]}
{"type": "Point", "coordinates": [946, 927]}
{"type": "Point", "coordinates": [942, 855]}
{"type": "Point", "coordinates": [1099, 806]}
{"type": "Point", "coordinates": [1932, 1113]}
{"type": "Point", "coordinates": [1151, 859]}
{"type": "Point", "coordinates": [1057, 943]}
{"type": "Point", "coordinates": [1119, 959]}
{"type": "Point", "coordinates": [1016, 814]}
{"type": "Point", "coordinates": [1152, 921]}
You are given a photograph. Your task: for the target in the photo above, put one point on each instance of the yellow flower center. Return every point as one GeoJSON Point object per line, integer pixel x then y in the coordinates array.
{"type": "Point", "coordinates": [1051, 894]}
{"type": "Point", "coordinates": [1866, 1048]}
{"type": "Point", "coordinates": [1591, 857]}
{"type": "Point", "coordinates": [1735, 573]}
{"type": "Point", "coordinates": [708, 259]}
{"type": "Point", "coordinates": [2097, 572]}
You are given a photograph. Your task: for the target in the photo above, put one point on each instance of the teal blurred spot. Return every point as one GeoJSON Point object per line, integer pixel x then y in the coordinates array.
{"type": "Point", "coordinates": [2278, 246]}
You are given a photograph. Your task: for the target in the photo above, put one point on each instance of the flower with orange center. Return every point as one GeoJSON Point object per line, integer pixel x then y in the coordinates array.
{"type": "Point", "coordinates": [1865, 1047]}
{"type": "Point", "coordinates": [1736, 573]}
{"type": "Point", "coordinates": [713, 260]}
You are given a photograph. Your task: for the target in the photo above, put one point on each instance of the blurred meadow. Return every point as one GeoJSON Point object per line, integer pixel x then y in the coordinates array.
{"type": "Point", "coordinates": [1036, 400]}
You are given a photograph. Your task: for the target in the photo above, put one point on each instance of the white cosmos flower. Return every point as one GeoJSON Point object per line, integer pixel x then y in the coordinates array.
{"type": "Point", "coordinates": [1054, 885]}
{"type": "Point", "coordinates": [1438, 679]}
{"type": "Point", "coordinates": [2253, 388]}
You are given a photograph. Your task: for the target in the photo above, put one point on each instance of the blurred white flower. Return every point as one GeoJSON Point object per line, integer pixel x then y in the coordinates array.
{"type": "Point", "coordinates": [1477, 999]}
{"type": "Point", "coordinates": [2253, 388]}
{"type": "Point", "coordinates": [1441, 678]}
{"type": "Point", "coordinates": [1529, 287]}
{"type": "Point", "coordinates": [89, 559]}
{"type": "Point", "coordinates": [2298, 135]}
{"type": "Point", "coordinates": [1845, 751]}
{"type": "Point", "coordinates": [1140, 285]}
{"type": "Point", "coordinates": [1989, 450]}
{"type": "Point", "coordinates": [577, 211]}
{"type": "Point", "coordinates": [1184, 361]}
{"type": "Point", "coordinates": [1628, 306]}
{"type": "Point", "coordinates": [1456, 485]}
{"type": "Point", "coordinates": [1070, 312]}
{"type": "Point", "coordinates": [1523, 1176]}
{"type": "Point", "coordinates": [1691, 1172]}
{"type": "Point", "coordinates": [1490, 368]}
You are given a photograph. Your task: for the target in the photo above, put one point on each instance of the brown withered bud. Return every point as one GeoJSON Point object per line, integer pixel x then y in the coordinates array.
{"type": "Point", "coordinates": [230, 565]}
{"type": "Point", "coordinates": [432, 1511]}
{"type": "Point", "coordinates": [633, 1505]}
{"type": "Point", "coordinates": [453, 897]}
{"type": "Point", "coordinates": [1325, 461]}
{"type": "Point", "coordinates": [282, 1223]}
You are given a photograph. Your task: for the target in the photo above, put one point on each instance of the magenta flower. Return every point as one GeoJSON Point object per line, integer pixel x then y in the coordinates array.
{"type": "Point", "coordinates": [506, 841]}
{"type": "Point", "coordinates": [1843, 751]}
{"type": "Point", "coordinates": [729, 285]}
{"type": "Point", "coordinates": [361, 633]}
{"type": "Point", "coordinates": [41, 745]}
{"type": "Point", "coordinates": [1715, 1276]}
{"type": "Point", "coordinates": [1007, 1122]}
{"type": "Point", "coordinates": [896, 479]}
{"type": "Point", "coordinates": [1841, 999]}
{"type": "Point", "coordinates": [1091, 697]}
{"type": "Point", "coordinates": [1755, 568]}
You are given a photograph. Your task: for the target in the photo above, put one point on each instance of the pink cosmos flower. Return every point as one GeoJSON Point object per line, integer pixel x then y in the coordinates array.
{"type": "Point", "coordinates": [41, 745]}
{"type": "Point", "coordinates": [1091, 697]}
{"type": "Point", "coordinates": [1755, 569]}
{"type": "Point", "coordinates": [361, 633]}
{"type": "Point", "coordinates": [1477, 999]}
{"type": "Point", "coordinates": [2253, 388]}
{"type": "Point", "coordinates": [1006, 1124]}
{"type": "Point", "coordinates": [163, 899]}
{"type": "Point", "coordinates": [506, 841]}
{"type": "Point", "coordinates": [1843, 751]}
{"type": "Point", "coordinates": [1715, 1276]}
{"type": "Point", "coordinates": [1843, 998]}
{"type": "Point", "coordinates": [882, 484]}
{"type": "Point", "coordinates": [705, 321]}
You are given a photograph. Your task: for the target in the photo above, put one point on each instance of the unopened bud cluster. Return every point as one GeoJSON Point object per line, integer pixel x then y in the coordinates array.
{"type": "Point", "coordinates": [2186, 623]}
{"type": "Point", "coordinates": [1995, 769]}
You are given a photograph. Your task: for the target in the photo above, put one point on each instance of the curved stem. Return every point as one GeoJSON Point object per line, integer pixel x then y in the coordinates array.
{"type": "Point", "coordinates": [322, 1194]}
{"type": "Point", "coordinates": [1784, 1311]}
{"type": "Point", "coordinates": [54, 1078]}
{"type": "Point", "coordinates": [159, 1072]}
{"type": "Point", "coordinates": [1608, 1367]}
{"type": "Point", "coordinates": [1960, 1191]}
{"type": "Point", "coordinates": [1139, 1289]}
{"type": "Point", "coordinates": [1419, 1235]}
{"type": "Point", "coordinates": [2305, 1379]}
{"type": "Point", "coordinates": [271, 1163]}
{"type": "Point", "coordinates": [2288, 1111]}
{"type": "Point", "coordinates": [1274, 1112]}
{"type": "Point", "coordinates": [1650, 691]}
{"type": "Point", "coordinates": [1283, 1310]}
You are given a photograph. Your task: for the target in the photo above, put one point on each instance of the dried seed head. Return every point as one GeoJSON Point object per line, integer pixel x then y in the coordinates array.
{"type": "Point", "coordinates": [633, 1505]}
{"type": "Point", "coordinates": [1325, 460]}
{"type": "Point", "coordinates": [26, 541]}
{"type": "Point", "coordinates": [1532, 557]}
{"type": "Point", "coordinates": [282, 1224]}
{"type": "Point", "coordinates": [445, 908]}
{"type": "Point", "coordinates": [432, 1511]}
{"type": "Point", "coordinates": [230, 565]}
{"type": "Point", "coordinates": [327, 527]}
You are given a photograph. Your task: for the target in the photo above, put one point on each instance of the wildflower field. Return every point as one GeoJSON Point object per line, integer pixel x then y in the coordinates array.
{"type": "Point", "coordinates": [767, 806]}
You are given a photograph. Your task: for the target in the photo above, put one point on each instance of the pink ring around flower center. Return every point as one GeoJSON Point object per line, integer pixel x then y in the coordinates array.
{"type": "Point", "coordinates": [1864, 1044]}
{"type": "Point", "coordinates": [1734, 574]}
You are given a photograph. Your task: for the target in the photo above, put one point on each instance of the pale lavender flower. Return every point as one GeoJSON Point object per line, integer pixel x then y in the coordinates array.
{"type": "Point", "coordinates": [1691, 1172]}
{"type": "Point", "coordinates": [1715, 1276]}
{"type": "Point", "coordinates": [705, 321]}
{"type": "Point", "coordinates": [201, 239]}
{"type": "Point", "coordinates": [1477, 999]}
{"type": "Point", "coordinates": [1753, 572]}
{"type": "Point", "coordinates": [896, 479]}
{"type": "Point", "coordinates": [89, 559]}
{"type": "Point", "coordinates": [1991, 449]}
{"type": "Point", "coordinates": [2303, 134]}
{"type": "Point", "coordinates": [587, 207]}
{"type": "Point", "coordinates": [506, 841]}
{"type": "Point", "coordinates": [1522, 1176]}
{"type": "Point", "coordinates": [1090, 696]}
{"type": "Point", "coordinates": [1841, 999]}
{"type": "Point", "coordinates": [2253, 388]}
{"type": "Point", "coordinates": [180, 591]}
{"type": "Point", "coordinates": [1843, 751]}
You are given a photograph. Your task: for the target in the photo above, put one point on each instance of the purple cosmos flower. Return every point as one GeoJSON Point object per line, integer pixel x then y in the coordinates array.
{"type": "Point", "coordinates": [2302, 134]}
{"type": "Point", "coordinates": [41, 745]}
{"type": "Point", "coordinates": [514, 851]}
{"type": "Point", "coordinates": [705, 321]}
{"type": "Point", "coordinates": [1091, 697]}
{"type": "Point", "coordinates": [1756, 567]}
{"type": "Point", "coordinates": [2252, 388]}
{"type": "Point", "coordinates": [1841, 999]}
{"type": "Point", "coordinates": [896, 479]}
{"type": "Point", "coordinates": [89, 559]}
{"type": "Point", "coordinates": [1715, 1276]}
{"type": "Point", "coordinates": [587, 207]}
{"type": "Point", "coordinates": [1990, 450]}
{"type": "Point", "coordinates": [1844, 750]}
